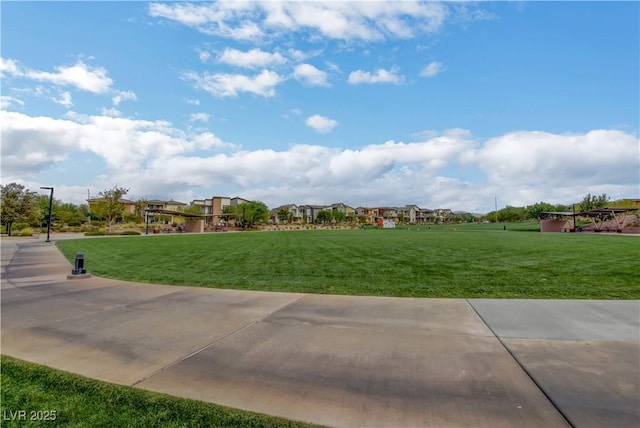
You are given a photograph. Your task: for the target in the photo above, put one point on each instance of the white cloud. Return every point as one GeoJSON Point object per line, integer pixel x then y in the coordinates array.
{"type": "Point", "coordinates": [380, 76]}
{"type": "Point", "coordinates": [540, 158]}
{"type": "Point", "coordinates": [333, 67]}
{"type": "Point", "coordinates": [202, 117]}
{"type": "Point", "coordinates": [64, 99]}
{"type": "Point", "coordinates": [80, 75]}
{"type": "Point", "coordinates": [209, 140]}
{"type": "Point", "coordinates": [368, 21]}
{"type": "Point", "coordinates": [191, 101]}
{"type": "Point", "coordinates": [432, 69]}
{"type": "Point", "coordinates": [255, 58]}
{"type": "Point", "coordinates": [6, 101]}
{"type": "Point", "coordinates": [321, 124]}
{"type": "Point", "coordinates": [9, 67]}
{"type": "Point", "coordinates": [156, 158]}
{"type": "Point", "coordinates": [204, 56]}
{"type": "Point", "coordinates": [112, 112]}
{"type": "Point", "coordinates": [310, 75]}
{"type": "Point", "coordinates": [123, 96]}
{"type": "Point", "coordinates": [230, 85]}
{"type": "Point", "coordinates": [31, 144]}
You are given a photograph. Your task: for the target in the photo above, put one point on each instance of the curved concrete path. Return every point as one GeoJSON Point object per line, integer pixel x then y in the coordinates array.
{"type": "Point", "coordinates": [332, 360]}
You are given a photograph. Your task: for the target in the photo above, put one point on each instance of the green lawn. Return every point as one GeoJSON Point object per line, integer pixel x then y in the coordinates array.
{"type": "Point", "coordinates": [70, 400]}
{"type": "Point", "coordinates": [441, 261]}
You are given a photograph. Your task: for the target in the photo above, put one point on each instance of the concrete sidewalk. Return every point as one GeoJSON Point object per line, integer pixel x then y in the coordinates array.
{"type": "Point", "coordinates": [332, 360]}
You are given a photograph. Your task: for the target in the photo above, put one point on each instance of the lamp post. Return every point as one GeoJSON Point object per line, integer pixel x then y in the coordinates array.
{"type": "Point", "coordinates": [50, 206]}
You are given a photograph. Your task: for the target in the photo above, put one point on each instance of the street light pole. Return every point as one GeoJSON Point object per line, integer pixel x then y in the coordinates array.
{"type": "Point", "coordinates": [50, 206]}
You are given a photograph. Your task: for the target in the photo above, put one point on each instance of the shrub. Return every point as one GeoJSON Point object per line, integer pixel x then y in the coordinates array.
{"type": "Point", "coordinates": [17, 227]}
{"type": "Point", "coordinates": [130, 232]}
{"type": "Point", "coordinates": [99, 232]}
{"type": "Point", "coordinates": [27, 231]}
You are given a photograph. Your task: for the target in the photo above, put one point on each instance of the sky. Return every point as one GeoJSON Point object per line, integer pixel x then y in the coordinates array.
{"type": "Point", "coordinates": [456, 105]}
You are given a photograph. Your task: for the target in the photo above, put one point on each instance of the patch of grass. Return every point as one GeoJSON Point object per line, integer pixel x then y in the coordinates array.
{"type": "Point", "coordinates": [76, 401]}
{"type": "Point", "coordinates": [444, 261]}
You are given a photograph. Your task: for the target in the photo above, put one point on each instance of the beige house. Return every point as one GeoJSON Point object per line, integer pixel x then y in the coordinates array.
{"type": "Point", "coordinates": [296, 214]}
{"type": "Point", "coordinates": [129, 206]}
{"type": "Point", "coordinates": [215, 208]}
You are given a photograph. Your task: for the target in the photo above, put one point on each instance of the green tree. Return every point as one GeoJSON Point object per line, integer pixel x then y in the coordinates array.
{"type": "Point", "coordinates": [535, 210]}
{"type": "Point", "coordinates": [323, 217]}
{"type": "Point", "coordinates": [252, 213]}
{"type": "Point", "coordinates": [338, 216]}
{"type": "Point", "coordinates": [108, 206]}
{"type": "Point", "coordinates": [510, 213]}
{"type": "Point", "coordinates": [18, 205]}
{"type": "Point", "coordinates": [193, 209]}
{"type": "Point", "coordinates": [140, 207]}
{"type": "Point", "coordinates": [592, 202]}
{"type": "Point", "coordinates": [283, 214]}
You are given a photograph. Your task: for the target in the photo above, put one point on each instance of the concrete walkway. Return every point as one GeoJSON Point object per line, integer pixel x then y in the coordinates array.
{"type": "Point", "coordinates": [332, 360]}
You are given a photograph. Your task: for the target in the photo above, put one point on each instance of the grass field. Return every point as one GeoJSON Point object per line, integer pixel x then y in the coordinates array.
{"type": "Point", "coordinates": [70, 400]}
{"type": "Point", "coordinates": [440, 261]}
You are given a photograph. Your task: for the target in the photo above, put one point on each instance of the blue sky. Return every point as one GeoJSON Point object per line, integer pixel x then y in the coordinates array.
{"type": "Point", "coordinates": [443, 105]}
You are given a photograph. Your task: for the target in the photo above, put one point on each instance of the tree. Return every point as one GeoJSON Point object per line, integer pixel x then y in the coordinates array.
{"type": "Point", "coordinates": [108, 206]}
{"type": "Point", "coordinates": [252, 213]}
{"type": "Point", "coordinates": [509, 214]}
{"type": "Point", "coordinates": [193, 209]}
{"type": "Point", "coordinates": [140, 207]}
{"type": "Point", "coordinates": [282, 214]}
{"type": "Point", "coordinates": [323, 217]}
{"type": "Point", "coordinates": [338, 216]}
{"type": "Point", "coordinates": [592, 202]}
{"type": "Point", "coordinates": [18, 205]}
{"type": "Point", "coordinates": [536, 210]}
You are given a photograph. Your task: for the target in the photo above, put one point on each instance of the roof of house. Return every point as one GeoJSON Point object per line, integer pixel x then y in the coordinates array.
{"type": "Point", "coordinates": [122, 201]}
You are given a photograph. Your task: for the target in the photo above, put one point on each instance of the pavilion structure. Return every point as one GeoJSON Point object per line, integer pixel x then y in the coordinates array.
{"type": "Point", "coordinates": [561, 221]}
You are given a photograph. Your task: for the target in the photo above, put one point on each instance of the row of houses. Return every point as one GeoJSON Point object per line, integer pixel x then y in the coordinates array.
{"type": "Point", "coordinates": [214, 211]}
{"type": "Point", "coordinates": [407, 214]}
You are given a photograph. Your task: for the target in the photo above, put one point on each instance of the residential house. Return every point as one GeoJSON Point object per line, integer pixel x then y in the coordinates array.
{"type": "Point", "coordinates": [167, 212]}
{"type": "Point", "coordinates": [443, 214]}
{"type": "Point", "coordinates": [349, 213]}
{"type": "Point", "coordinates": [310, 212]}
{"type": "Point", "coordinates": [296, 215]}
{"type": "Point", "coordinates": [425, 215]}
{"type": "Point", "coordinates": [172, 205]}
{"type": "Point", "coordinates": [365, 215]}
{"type": "Point", "coordinates": [129, 207]}
{"type": "Point", "coordinates": [410, 213]}
{"type": "Point", "coordinates": [205, 205]}
{"type": "Point", "coordinates": [389, 213]}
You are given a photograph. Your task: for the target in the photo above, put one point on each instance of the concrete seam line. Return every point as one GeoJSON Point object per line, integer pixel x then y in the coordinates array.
{"type": "Point", "coordinates": [209, 345]}
{"type": "Point", "coordinates": [197, 351]}
{"type": "Point", "coordinates": [523, 368]}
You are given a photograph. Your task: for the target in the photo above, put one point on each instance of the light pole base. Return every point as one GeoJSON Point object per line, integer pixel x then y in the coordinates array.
{"type": "Point", "coordinates": [79, 276]}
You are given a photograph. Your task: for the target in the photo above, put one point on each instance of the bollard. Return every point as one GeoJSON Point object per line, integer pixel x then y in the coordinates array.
{"type": "Point", "coordinates": [79, 266]}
